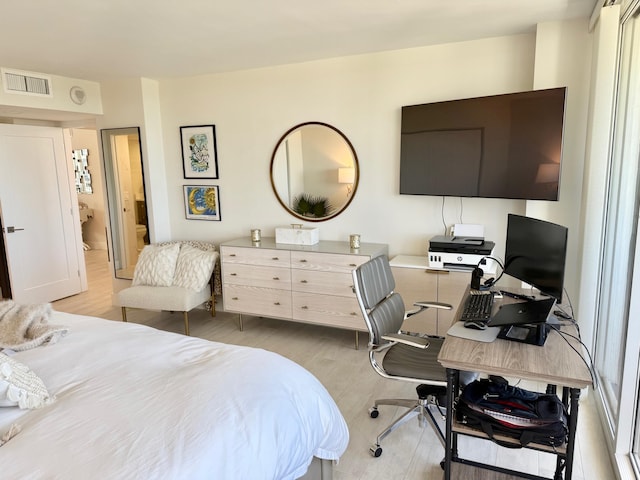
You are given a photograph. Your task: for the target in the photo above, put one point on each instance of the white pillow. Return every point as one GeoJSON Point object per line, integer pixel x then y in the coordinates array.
{"type": "Point", "coordinates": [20, 386]}
{"type": "Point", "coordinates": [156, 265]}
{"type": "Point", "coordinates": [194, 267]}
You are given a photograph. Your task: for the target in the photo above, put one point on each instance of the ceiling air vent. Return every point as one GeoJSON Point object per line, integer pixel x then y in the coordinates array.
{"type": "Point", "coordinates": [28, 83]}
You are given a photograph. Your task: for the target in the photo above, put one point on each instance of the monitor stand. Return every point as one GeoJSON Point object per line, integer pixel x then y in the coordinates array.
{"type": "Point", "coordinates": [533, 333]}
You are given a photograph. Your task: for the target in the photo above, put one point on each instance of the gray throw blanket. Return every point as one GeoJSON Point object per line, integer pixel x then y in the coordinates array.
{"type": "Point", "coordinates": [27, 326]}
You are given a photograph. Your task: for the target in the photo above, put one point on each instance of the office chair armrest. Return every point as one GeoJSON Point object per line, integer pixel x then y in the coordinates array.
{"type": "Point", "coordinates": [424, 305]}
{"type": "Point", "coordinates": [411, 340]}
{"type": "Point", "coordinates": [443, 306]}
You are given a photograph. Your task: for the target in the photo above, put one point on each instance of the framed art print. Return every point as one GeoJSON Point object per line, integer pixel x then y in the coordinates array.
{"type": "Point", "coordinates": [199, 155]}
{"type": "Point", "coordinates": [202, 202]}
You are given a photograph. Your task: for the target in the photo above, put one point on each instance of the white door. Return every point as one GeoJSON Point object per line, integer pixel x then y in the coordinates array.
{"type": "Point", "coordinates": [38, 207]}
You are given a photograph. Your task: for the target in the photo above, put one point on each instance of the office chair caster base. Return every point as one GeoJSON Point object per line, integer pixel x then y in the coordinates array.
{"type": "Point", "coordinates": [373, 412]}
{"type": "Point", "coordinates": [375, 450]}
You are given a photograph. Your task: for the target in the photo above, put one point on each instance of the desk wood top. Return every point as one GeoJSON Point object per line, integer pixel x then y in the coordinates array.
{"type": "Point", "coordinates": [555, 362]}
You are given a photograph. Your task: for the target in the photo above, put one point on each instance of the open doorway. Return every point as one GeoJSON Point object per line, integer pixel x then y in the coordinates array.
{"type": "Point", "coordinates": [91, 201]}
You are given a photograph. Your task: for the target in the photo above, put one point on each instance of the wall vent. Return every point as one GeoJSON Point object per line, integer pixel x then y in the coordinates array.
{"type": "Point", "coordinates": [28, 83]}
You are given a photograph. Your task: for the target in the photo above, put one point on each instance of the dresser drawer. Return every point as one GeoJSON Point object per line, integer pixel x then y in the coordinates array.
{"type": "Point", "coordinates": [306, 284]}
{"type": "Point", "coordinates": [255, 256]}
{"type": "Point", "coordinates": [257, 301]}
{"type": "Point", "coordinates": [257, 276]}
{"type": "Point", "coordinates": [326, 283]}
{"type": "Point", "coordinates": [329, 310]}
{"type": "Point", "coordinates": [326, 262]}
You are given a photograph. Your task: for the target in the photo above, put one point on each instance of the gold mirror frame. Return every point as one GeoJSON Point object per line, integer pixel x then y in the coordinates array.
{"type": "Point", "coordinates": [314, 171]}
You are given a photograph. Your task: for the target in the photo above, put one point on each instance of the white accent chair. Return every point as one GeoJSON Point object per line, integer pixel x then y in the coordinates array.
{"type": "Point", "coordinates": [173, 276]}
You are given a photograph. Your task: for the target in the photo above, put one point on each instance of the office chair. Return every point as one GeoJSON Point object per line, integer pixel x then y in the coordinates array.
{"type": "Point", "coordinates": [400, 355]}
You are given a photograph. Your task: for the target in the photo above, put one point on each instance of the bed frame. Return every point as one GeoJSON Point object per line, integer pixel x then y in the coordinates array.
{"type": "Point", "coordinates": [319, 469]}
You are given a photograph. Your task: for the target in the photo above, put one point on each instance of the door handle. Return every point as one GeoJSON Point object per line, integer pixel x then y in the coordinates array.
{"type": "Point", "coordinates": [13, 229]}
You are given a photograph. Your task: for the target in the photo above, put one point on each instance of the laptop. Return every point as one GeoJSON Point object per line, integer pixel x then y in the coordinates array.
{"type": "Point", "coordinates": [533, 311]}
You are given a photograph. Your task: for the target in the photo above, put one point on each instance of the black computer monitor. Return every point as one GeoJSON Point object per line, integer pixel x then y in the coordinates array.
{"type": "Point", "coordinates": [535, 253]}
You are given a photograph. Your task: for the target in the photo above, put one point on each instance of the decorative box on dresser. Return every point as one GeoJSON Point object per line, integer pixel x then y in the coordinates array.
{"type": "Point", "coordinates": [304, 283]}
{"type": "Point", "coordinates": [415, 281]}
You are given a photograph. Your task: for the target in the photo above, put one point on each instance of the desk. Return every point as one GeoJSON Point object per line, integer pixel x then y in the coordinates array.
{"type": "Point", "coordinates": [555, 364]}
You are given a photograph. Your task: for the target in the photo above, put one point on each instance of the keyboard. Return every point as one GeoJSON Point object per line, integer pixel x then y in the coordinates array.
{"type": "Point", "coordinates": [477, 307]}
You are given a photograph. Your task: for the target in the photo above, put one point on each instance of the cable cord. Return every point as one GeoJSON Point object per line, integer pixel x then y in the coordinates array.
{"type": "Point", "coordinates": [588, 364]}
{"type": "Point", "coordinates": [444, 223]}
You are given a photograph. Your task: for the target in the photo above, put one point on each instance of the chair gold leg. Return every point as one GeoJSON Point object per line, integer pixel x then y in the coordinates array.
{"type": "Point", "coordinates": [213, 305]}
{"type": "Point", "coordinates": [124, 314]}
{"type": "Point", "coordinates": [186, 323]}
{"type": "Point", "coordinates": [357, 340]}
{"type": "Point", "coordinates": [240, 319]}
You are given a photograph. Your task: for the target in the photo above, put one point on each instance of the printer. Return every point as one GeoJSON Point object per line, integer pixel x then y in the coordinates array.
{"type": "Point", "coordinates": [461, 253]}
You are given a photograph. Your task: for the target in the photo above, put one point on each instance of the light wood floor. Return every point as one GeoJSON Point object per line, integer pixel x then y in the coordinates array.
{"type": "Point", "coordinates": [410, 452]}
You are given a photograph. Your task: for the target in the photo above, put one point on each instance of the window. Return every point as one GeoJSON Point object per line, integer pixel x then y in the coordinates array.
{"type": "Point", "coordinates": [618, 338]}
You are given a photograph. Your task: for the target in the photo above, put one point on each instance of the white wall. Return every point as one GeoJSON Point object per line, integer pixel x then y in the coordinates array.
{"type": "Point", "coordinates": [603, 75]}
{"type": "Point", "coordinates": [361, 96]}
{"type": "Point", "coordinates": [60, 98]}
{"type": "Point", "coordinates": [563, 57]}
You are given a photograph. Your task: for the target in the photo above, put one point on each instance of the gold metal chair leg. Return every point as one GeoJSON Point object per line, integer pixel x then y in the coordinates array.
{"type": "Point", "coordinates": [186, 323]}
{"type": "Point", "coordinates": [213, 305]}
{"type": "Point", "coordinates": [240, 319]}
{"type": "Point", "coordinates": [357, 340]}
{"type": "Point", "coordinates": [124, 314]}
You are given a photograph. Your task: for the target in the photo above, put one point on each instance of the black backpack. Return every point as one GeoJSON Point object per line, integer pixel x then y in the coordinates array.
{"type": "Point", "coordinates": [498, 408]}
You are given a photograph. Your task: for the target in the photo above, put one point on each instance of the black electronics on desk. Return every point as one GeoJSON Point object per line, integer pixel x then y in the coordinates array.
{"type": "Point", "coordinates": [535, 253]}
{"type": "Point", "coordinates": [524, 322]}
{"type": "Point", "coordinates": [531, 334]}
{"type": "Point", "coordinates": [522, 313]}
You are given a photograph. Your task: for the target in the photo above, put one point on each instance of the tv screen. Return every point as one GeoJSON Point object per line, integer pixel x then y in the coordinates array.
{"type": "Point", "coordinates": [535, 253]}
{"type": "Point", "coordinates": [501, 146]}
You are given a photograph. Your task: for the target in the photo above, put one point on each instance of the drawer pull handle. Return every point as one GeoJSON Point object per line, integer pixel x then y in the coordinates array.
{"type": "Point", "coordinates": [276, 278]}
{"type": "Point", "coordinates": [353, 265]}
{"type": "Point", "coordinates": [276, 303]}
{"type": "Point", "coordinates": [354, 314]}
{"type": "Point", "coordinates": [275, 258]}
{"type": "Point", "coordinates": [234, 298]}
{"type": "Point", "coordinates": [303, 281]}
{"type": "Point", "coordinates": [232, 254]}
{"type": "Point", "coordinates": [234, 274]}
{"type": "Point", "coordinates": [304, 307]}
{"type": "Point", "coordinates": [303, 261]}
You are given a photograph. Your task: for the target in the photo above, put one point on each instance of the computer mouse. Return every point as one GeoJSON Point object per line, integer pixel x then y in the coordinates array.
{"type": "Point", "coordinates": [476, 324]}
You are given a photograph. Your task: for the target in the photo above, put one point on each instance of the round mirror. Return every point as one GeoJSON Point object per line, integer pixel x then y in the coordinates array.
{"type": "Point", "coordinates": [314, 171]}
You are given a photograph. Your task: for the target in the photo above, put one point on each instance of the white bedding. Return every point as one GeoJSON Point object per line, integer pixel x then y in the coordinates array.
{"type": "Point", "coordinates": [133, 402]}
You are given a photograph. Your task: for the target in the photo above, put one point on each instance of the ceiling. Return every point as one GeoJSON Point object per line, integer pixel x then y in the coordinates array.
{"type": "Point", "coordinates": [105, 39]}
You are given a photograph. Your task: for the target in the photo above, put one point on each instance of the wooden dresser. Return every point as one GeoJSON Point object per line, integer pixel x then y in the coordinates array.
{"type": "Point", "coordinates": [309, 284]}
{"type": "Point", "coordinates": [415, 281]}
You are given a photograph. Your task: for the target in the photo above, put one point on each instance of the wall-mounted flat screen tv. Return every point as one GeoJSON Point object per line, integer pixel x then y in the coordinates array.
{"type": "Point", "coordinates": [500, 146]}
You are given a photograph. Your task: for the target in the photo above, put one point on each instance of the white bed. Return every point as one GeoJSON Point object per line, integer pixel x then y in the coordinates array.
{"type": "Point", "coordinates": [133, 402]}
